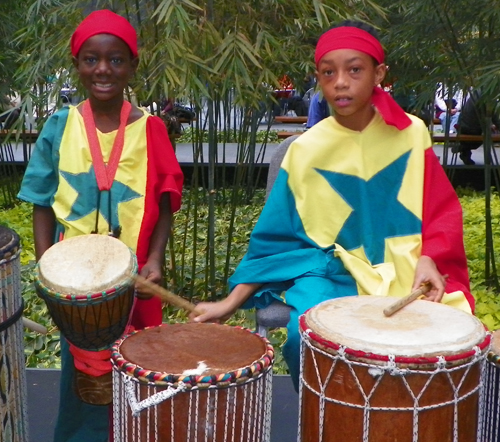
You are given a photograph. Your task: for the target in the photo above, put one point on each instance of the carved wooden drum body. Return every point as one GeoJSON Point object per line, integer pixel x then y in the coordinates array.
{"type": "Point", "coordinates": [87, 283]}
{"type": "Point", "coordinates": [13, 390]}
{"type": "Point", "coordinates": [192, 383]}
{"type": "Point", "coordinates": [412, 377]}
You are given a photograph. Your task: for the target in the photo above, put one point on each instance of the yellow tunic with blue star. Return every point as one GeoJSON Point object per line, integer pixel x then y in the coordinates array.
{"type": "Point", "coordinates": [346, 217]}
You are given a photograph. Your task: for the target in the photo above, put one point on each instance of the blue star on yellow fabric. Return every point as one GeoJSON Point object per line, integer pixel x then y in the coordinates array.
{"type": "Point", "coordinates": [376, 212]}
{"type": "Point", "coordinates": [85, 184]}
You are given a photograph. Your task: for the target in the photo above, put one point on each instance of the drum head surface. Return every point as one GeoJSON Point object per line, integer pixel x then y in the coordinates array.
{"type": "Point", "coordinates": [422, 328]}
{"type": "Point", "coordinates": [85, 264]}
{"type": "Point", "coordinates": [175, 348]}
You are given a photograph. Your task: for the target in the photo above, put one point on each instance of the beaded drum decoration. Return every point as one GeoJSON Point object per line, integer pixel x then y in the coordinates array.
{"type": "Point", "coordinates": [415, 376]}
{"type": "Point", "coordinates": [192, 383]}
{"type": "Point", "coordinates": [13, 389]}
{"type": "Point", "coordinates": [490, 400]}
{"type": "Point", "coordinates": [87, 283]}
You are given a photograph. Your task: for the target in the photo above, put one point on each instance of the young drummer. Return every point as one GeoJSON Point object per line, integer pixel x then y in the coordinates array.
{"type": "Point", "coordinates": [104, 166]}
{"type": "Point", "coordinates": [361, 205]}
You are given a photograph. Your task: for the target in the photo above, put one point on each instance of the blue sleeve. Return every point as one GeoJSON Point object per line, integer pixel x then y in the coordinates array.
{"type": "Point", "coordinates": [279, 249]}
{"type": "Point", "coordinates": [318, 110]}
{"type": "Point", "coordinates": [41, 179]}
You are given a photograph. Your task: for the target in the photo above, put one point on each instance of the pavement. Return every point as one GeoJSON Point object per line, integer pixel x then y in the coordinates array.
{"type": "Point", "coordinates": [43, 402]}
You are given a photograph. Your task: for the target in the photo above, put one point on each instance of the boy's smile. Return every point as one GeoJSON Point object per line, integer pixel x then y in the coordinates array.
{"type": "Point", "coordinates": [105, 65]}
{"type": "Point", "coordinates": [347, 78]}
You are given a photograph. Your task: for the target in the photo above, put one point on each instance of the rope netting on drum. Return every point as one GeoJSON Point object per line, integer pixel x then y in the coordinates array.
{"type": "Point", "coordinates": [489, 415]}
{"type": "Point", "coordinates": [379, 370]}
{"type": "Point", "coordinates": [240, 412]}
{"type": "Point", "coordinates": [13, 387]}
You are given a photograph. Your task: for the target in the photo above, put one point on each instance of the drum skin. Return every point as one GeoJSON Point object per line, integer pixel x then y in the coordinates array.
{"type": "Point", "coordinates": [333, 387]}
{"type": "Point", "coordinates": [229, 401]}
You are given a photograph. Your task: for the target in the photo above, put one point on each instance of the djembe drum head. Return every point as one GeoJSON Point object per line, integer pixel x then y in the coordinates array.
{"type": "Point", "coordinates": [413, 376]}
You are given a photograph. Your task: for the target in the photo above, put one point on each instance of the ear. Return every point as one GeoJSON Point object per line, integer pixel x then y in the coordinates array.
{"type": "Point", "coordinates": [134, 64]}
{"type": "Point", "coordinates": [75, 62]}
{"type": "Point", "coordinates": [380, 71]}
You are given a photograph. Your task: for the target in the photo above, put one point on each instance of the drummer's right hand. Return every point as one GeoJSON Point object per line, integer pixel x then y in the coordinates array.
{"type": "Point", "coordinates": [217, 312]}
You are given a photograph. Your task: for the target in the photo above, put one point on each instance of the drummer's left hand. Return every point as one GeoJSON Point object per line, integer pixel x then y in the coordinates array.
{"type": "Point", "coordinates": [152, 271]}
{"type": "Point", "coordinates": [426, 271]}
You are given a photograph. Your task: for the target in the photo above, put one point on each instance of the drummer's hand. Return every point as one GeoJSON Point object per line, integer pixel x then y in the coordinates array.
{"type": "Point", "coordinates": [151, 271]}
{"type": "Point", "coordinates": [427, 271]}
{"type": "Point", "coordinates": [218, 312]}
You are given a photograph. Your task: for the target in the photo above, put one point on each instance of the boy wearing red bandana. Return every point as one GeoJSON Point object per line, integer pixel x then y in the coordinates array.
{"type": "Point", "coordinates": [361, 205]}
{"type": "Point", "coordinates": [104, 166]}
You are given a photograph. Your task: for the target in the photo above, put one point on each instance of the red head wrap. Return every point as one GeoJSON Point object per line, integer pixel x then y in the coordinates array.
{"type": "Point", "coordinates": [349, 37]}
{"type": "Point", "coordinates": [104, 22]}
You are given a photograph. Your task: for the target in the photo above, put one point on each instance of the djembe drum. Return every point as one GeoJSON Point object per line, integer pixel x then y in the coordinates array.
{"type": "Point", "coordinates": [13, 405]}
{"type": "Point", "coordinates": [192, 383]}
{"type": "Point", "coordinates": [490, 401]}
{"type": "Point", "coordinates": [87, 283]}
{"type": "Point", "coordinates": [414, 376]}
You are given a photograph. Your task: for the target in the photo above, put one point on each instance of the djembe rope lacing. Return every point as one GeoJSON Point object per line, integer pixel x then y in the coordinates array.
{"type": "Point", "coordinates": [388, 368]}
{"type": "Point", "coordinates": [489, 403]}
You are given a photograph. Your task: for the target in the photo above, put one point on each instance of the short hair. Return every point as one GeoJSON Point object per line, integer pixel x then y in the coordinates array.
{"type": "Point", "coordinates": [360, 25]}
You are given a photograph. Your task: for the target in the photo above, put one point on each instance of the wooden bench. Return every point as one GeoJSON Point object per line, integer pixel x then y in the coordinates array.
{"type": "Point", "coordinates": [291, 120]}
{"type": "Point", "coordinates": [285, 134]}
{"type": "Point", "coordinates": [28, 135]}
{"type": "Point", "coordinates": [456, 138]}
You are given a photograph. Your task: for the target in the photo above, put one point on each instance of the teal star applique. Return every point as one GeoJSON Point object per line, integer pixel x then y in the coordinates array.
{"type": "Point", "coordinates": [85, 184]}
{"type": "Point", "coordinates": [376, 212]}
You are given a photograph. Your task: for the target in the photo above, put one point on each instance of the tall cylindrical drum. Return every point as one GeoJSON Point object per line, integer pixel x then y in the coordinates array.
{"type": "Point", "coordinates": [192, 383]}
{"type": "Point", "coordinates": [13, 402]}
{"type": "Point", "coordinates": [414, 376]}
{"type": "Point", "coordinates": [87, 283]}
{"type": "Point", "coordinates": [490, 400]}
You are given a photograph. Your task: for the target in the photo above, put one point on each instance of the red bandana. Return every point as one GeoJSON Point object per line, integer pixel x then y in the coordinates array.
{"type": "Point", "coordinates": [348, 37]}
{"type": "Point", "coordinates": [104, 22]}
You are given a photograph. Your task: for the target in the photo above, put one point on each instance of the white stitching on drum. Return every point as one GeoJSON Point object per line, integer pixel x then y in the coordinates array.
{"type": "Point", "coordinates": [138, 406]}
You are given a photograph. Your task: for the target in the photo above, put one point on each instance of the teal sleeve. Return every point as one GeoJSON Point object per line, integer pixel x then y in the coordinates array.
{"type": "Point", "coordinates": [41, 179]}
{"type": "Point", "coordinates": [279, 249]}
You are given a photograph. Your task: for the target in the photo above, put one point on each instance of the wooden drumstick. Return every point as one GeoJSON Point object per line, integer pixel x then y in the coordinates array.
{"type": "Point", "coordinates": [401, 302]}
{"type": "Point", "coordinates": [34, 326]}
{"type": "Point", "coordinates": [164, 294]}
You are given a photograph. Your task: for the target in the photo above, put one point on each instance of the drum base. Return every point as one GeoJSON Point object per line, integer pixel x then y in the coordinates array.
{"type": "Point", "coordinates": [94, 390]}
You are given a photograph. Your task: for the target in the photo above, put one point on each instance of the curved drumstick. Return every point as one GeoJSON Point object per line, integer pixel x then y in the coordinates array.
{"type": "Point", "coordinates": [34, 326]}
{"type": "Point", "coordinates": [164, 294]}
{"type": "Point", "coordinates": [401, 302]}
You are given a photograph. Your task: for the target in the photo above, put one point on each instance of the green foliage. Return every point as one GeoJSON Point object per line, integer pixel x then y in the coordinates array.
{"type": "Point", "coordinates": [487, 301]}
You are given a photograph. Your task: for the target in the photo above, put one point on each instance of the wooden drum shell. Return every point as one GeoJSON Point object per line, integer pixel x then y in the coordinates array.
{"type": "Point", "coordinates": [353, 395]}
{"type": "Point", "coordinates": [219, 406]}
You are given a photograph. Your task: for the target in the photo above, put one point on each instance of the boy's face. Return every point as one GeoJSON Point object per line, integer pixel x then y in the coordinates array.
{"type": "Point", "coordinates": [105, 65]}
{"type": "Point", "coordinates": [347, 78]}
